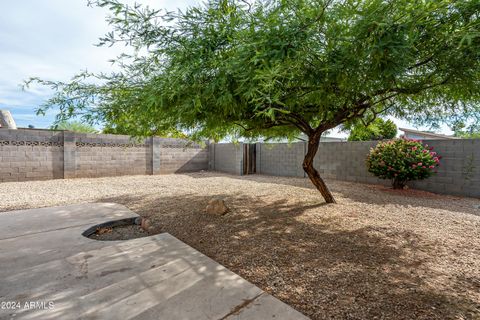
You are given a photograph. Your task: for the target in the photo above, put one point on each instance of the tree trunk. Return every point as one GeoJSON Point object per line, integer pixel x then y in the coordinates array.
{"type": "Point", "coordinates": [313, 143]}
{"type": "Point", "coordinates": [398, 184]}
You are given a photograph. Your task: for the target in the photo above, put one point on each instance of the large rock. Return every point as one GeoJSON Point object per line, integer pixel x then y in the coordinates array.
{"type": "Point", "coordinates": [6, 120]}
{"type": "Point", "coordinates": [145, 224]}
{"type": "Point", "coordinates": [216, 206]}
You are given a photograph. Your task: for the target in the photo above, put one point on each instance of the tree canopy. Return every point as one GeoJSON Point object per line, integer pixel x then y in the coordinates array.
{"type": "Point", "coordinates": [281, 67]}
{"type": "Point", "coordinates": [378, 129]}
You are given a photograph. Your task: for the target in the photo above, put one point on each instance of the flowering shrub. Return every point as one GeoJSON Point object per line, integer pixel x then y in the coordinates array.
{"type": "Point", "coordinates": [402, 160]}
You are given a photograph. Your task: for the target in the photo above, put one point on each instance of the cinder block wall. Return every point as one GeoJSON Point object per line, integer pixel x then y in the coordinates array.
{"type": "Point", "coordinates": [226, 157]}
{"type": "Point", "coordinates": [345, 161]}
{"type": "Point", "coordinates": [27, 156]}
{"type": "Point", "coordinates": [111, 155]}
{"type": "Point", "coordinates": [459, 173]}
{"type": "Point", "coordinates": [280, 159]}
{"type": "Point", "coordinates": [42, 154]}
{"type": "Point", "coordinates": [180, 156]}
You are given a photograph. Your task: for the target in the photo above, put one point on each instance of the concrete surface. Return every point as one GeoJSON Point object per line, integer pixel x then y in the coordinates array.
{"type": "Point", "coordinates": [48, 270]}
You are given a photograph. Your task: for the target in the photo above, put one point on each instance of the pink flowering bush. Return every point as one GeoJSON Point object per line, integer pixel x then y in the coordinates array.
{"type": "Point", "coordinates": [402, 160]}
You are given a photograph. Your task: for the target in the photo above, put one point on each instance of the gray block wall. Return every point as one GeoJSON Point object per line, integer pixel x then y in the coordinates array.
{"type": "Point", "coordinates": [226, 157]}
{"type": "Point", "coordinates": [43, 154]}
{"type": "Point", "coordinates": [176, 156]}
{"type": "Point", "coordinates": [280, 159]}
{"type": "Point", "coordinates": [24, 156]}
{"type": "Point", "coordinates": [459, 171]}
{"type": "Point", "coordinates": [458, 174]}
{"type": "Point", "coordinates": [345, 161]}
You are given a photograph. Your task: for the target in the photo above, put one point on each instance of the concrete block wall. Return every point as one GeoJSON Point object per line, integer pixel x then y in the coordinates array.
{"type": "Point", "coordinates": [345, 161]}
{"type": "Point", "coordinates": [43, 154]}
{"type": "Point", "coordinates": [111, 155]}
{"type": "Point", "coordinates": [181, 156]}
{"type": "Point", "coordinates": [458, 174]}
{"type": "Point", "coordinates": [459, 171]}
{"type": "Point", "coordinates": [226, 157]}
{"type": "Point", "coordinates": [30, 157]}
{"type": "Point", "coordinates": [280, 159]}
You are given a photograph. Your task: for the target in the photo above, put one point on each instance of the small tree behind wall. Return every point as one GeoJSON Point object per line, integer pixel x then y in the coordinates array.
{"type": "Point", "coordinates": [378, 129]}
{"type": "Point", "coordinates": [75, 126]}
{"type": "Point", "coordinates": [278, 68]}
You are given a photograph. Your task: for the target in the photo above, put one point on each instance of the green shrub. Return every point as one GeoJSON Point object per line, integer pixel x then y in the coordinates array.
{"type": "Point", "coordinates": [402, 160]}
{"type": "Point", "coordinates": [379, 129]}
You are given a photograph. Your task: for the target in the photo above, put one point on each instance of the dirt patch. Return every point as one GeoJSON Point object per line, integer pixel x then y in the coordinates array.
{"type": "Point", "coordinates": [374, 255]}
{"type": "Point", "coordinates": [119, 233]}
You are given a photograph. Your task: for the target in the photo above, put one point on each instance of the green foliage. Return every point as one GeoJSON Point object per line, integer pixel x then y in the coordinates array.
{"type": "Point", "coordinates": [461, 130]}
{"type": "Point", "coordinates": [276, 68]}
{"type": "Point", "coordinates": [125, 130]}
{"type": "Point", "coordinates": [75, 126]}
{"type": "Point", "coordinates": [402, 160]}
{"type": "Point", "coordinates": [379, 129]}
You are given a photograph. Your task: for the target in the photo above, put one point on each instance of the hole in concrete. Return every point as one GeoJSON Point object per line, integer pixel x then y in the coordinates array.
{"type": "Point", "coordinates": [123, 229]}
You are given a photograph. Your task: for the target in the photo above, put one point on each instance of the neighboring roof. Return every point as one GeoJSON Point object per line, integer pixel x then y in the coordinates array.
{"type": "Point", "coordinates": [428, 134]}
{"type": "Point", "coordinates": [327, 138]}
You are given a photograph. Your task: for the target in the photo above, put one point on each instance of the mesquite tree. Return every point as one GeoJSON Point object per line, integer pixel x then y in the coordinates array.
{"type": "Point", "coordinates": [281, 67]}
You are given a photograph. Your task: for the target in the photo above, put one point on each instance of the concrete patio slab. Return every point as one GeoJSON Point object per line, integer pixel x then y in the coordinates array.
{"type": "Point", "coordinates": [48, 270]}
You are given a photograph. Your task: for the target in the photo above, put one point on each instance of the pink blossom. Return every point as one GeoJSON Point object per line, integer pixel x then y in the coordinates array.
{"type": "Point", "coordinates": [424, 167]}
{"type": "Point", "coordinates": [419, 164]}
{"type": "Point", "coordinates": [425, 151]}
{"type": "Point", "coordinates": [431, 167]}
{"type": "Point", "coordinates": [414, 166]}
{"type": "Point", "coordinates": [414, 148]}
{"type": "Point", "coordinates": [433, 153]}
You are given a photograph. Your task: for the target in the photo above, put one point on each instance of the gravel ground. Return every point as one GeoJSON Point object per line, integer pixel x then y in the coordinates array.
{"type": "Point", "coordinates": [119, 233]}
{"type": "Point", "coordinates": [377, 254]}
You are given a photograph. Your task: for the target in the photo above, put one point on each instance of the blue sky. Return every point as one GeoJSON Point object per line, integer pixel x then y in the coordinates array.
{"type": "Point", "coordinates": [51, 39]}
{"type": "Point", "coordinates": [54, 39]}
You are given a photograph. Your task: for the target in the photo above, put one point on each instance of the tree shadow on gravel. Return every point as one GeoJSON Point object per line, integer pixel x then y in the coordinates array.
{"type": "Point", "coordinates": [365, 193]}
{"type": "Point", "coordinates": [307, 260]}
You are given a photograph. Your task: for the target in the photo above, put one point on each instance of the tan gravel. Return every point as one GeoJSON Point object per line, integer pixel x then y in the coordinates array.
{"type": "Point", "coordinates": [377, 254]}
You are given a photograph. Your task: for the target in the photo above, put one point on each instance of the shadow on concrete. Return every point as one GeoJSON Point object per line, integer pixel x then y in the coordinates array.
{"type": "Point", "coordinates": [313, 264]}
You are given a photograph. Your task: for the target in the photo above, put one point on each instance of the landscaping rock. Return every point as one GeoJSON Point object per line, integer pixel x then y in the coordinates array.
{"type": "Point", "coordinates": [146, 224]}
{"type": "Point", "coordinates": [217, 207]}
